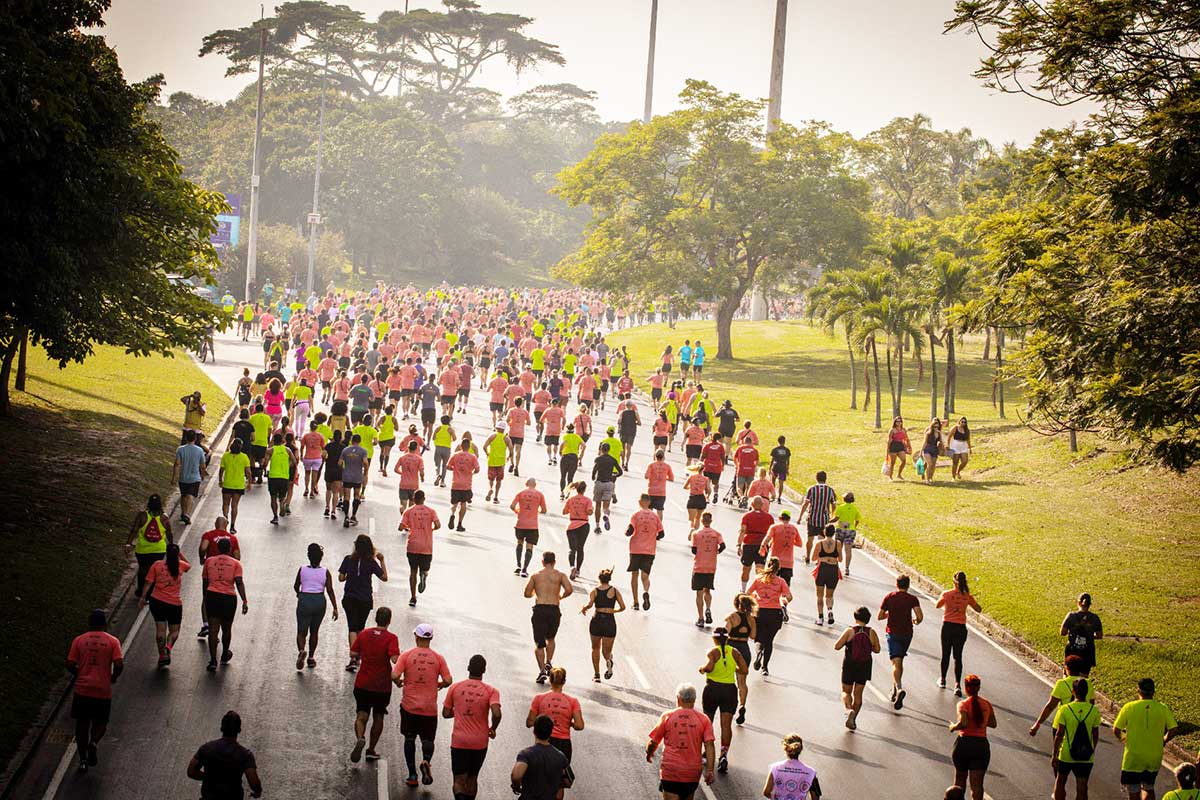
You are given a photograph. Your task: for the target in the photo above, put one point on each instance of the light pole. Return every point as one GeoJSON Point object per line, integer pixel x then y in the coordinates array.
{"type": "Point", "coordinates": [252, 245]}
{"type": "Point", "coordinates": [758, 298]}
{"type": "Point", "coordinates": [314, 219]}
{"type": "Point", "coordinates": [647, 112]}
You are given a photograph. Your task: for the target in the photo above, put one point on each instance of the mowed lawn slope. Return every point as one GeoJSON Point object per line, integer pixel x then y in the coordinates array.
{"type": "Point", "coordinates": [1032, 524]}
{"type": "Point", "coordinates": [82, 450]}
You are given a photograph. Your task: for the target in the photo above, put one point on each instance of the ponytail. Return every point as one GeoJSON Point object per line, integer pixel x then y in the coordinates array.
{"type": "Point", "coordinates": [960, 582]}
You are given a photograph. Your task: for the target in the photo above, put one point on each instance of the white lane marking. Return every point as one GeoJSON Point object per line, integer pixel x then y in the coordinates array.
{"type": "Point", "coordinates": [637, 672]}
{"type": "Point", "coordinates": [883, 698]}
{"type": "Point", "coordinates": [371, 527]}
{"type": "Point", "coordinates": [708, 792]}
{"type": "Point", "coordinates": [383, 787]}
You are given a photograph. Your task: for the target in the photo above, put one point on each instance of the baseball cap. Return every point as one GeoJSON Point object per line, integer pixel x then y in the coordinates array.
{"type": "Point", "coordinates": [423, 631]}
{"type": "Point", "coordinates": [785, 514]}
{"type": "Point", "coordinates": [500, 426]}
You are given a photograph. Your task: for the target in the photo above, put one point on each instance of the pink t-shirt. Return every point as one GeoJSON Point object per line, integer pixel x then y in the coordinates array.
{"type": "Point", "coordinates": [421, 667]}
{"type": "Point", "coordinates": [419, 520]}
{"type": "Point", "coordinates": [553, 419]}
{"type": "Point", "coordinates": [782, 538]}
{"type": "Point", "coordinates": [682, 734]}
{"type": "Point", "coordinates": [768, 593]}
{"type": "Point", "coordinates": [517, 419]}
{"type": "Point", "coordinates": [497, 388]}
{"type": "Point", "coordinates": [463, 466]}
{"type": "Point", "coordinates": [707, 543]}
{"type": "Point", "coordinates": [529, 503]}
{"type": "Point", "coordinates": [646, 527]}
{"type": "Point", "coordinates": [471, 701]}
{"type": "Point", "coordinates": [579, 508]}
{"type": "Point", "coordinates": [697, 484]}
{"type": "Point", "coordinates": [221, 571]}
{"type": "Point", "coordinates": [954, 606]}
{"type": "Point", "coordinates": [409, 465]}
{"type": "Point", "coordinates": [558, 706]}
{"type": "Point", "coordinates": [657, 475]}
{"type": "Point", "coordinates": [314, 445]}
{"type": "Point", "coordinates": [93, 654]}
{"type": "Point", "coordinates": [166, 586]}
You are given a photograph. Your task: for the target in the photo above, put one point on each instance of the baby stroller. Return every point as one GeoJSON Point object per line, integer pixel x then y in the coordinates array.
{"type": "Point", "coordinates": [732, 498]}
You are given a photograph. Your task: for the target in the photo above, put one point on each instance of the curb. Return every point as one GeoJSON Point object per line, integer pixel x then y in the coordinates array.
{"type": "Point", "coordinates": [118, 602]}
{"type": "Point", "coordinates": [1008, 640]}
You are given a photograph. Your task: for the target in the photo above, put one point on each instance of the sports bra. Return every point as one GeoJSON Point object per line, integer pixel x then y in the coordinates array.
{"type": "Point", "coordinates": [604, 599]}
{"type": "Point", "coordinates": [741, 631]}
{"type": "Point", "coordinates": [823, 553]}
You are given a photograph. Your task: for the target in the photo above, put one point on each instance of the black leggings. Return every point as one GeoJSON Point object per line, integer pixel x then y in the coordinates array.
{"type": "Point", "coordinates": [954, 636]}
{"type": "Point", "coordinates": [566, 470]}
{"type": "Point", "coordinates": [576, 539]}
{"type": "Point", "coordinates": [770, 620]}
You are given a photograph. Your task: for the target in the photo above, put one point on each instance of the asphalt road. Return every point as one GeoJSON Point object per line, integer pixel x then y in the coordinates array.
{"type": "Point", "coordinates": [299, 723]}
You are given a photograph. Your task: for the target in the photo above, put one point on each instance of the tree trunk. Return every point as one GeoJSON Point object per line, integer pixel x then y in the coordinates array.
{"type": "Point", "coordinates": [1000, 368]}
{"type": "Point", "coordinates": [19, 383]}
{"type": "Point", "coordinates": [951, 374]}
{"type": "Point", "coordinates": [987, 343]}
{"type": "Point", "coordinates": [853, 374]}
{"type": "Point", "coordinates": [875, 358]}
{"type": "Point", "coordinates": [921, 369]}
{"type": "Point", "coordinates": [891, 378]}
{"type": "Point", "coordinates": [725, 312]}
{"type": "Point", "coordinates": [933, 411]}
{"type": "Point", "coordinates": [867, 378]}
{"type": "Point", "coordinates": [899, 398]}
{"type": "Point", "coordinates": [10, 353]}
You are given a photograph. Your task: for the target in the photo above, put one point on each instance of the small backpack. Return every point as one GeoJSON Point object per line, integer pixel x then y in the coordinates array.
{"type": "Point", "coordinates": [860, 644]}
{"type": "Point", "coordinates": [1081, 748]}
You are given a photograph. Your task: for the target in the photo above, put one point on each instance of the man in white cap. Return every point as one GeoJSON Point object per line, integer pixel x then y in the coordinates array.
{"type": "Point", "coordinates": [421, 673]}
{"type": "Point", "coordinates": [496, 448]}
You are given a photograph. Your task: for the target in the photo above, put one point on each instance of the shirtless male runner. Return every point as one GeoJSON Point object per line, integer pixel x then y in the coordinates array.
{"type": "Point", "coordinates": [548, 587]}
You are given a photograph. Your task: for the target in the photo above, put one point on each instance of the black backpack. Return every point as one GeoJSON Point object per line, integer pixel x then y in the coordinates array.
{"type": "Point", "coordinates": [1081, 748]}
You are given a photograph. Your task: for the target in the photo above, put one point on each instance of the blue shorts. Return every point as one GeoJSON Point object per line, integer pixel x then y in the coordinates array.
{"type": "Point", "coordinates": [898, 645]}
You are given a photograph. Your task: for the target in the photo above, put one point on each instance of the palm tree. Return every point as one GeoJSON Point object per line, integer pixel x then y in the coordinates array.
{"type": "Point", "coordinates": [832, 300]}
{"type": "Point", "coordinates": [949, 280]}
{"type": "Point", "coordinates": [870, 328]}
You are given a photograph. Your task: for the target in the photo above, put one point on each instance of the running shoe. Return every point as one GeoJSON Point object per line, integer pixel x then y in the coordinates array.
{"type": "Point", "coordinates": [426, 774]}
{"type": "Point", "coordinates": [820, 622]}
{"type": "Point", "coordinates": [700, 623]}
{"type": "Point", "coordinates": [708, 616]}
{"type": "Point", "coordinates": [741, 716]}
{"type": "Point", "coordinates": [93, 758]}
{"type": "Point", "coordinates": [412, 603]}
{"type": "Point", "coordinates": [83, 765]}
{"type": "Point", "coordinates": [957, 690]}
{"type": "Point", "coordinates": [524, 573]}
{"type": "Point", "coordinates": [517, 571]}
{"type": "Point", "coordinates": [451, 525]}
{"type": "Point", "coordinates": [899, 704]}
{"type": "Point", "coordinates": [371, 755]}
{"type": "Point", "coordinates": [723, 764]}
{"type": "Point", "coordinates": [646, 600]}
{"type": "Point", "coordinates": [606, 525]}
{"type": "Point", "coordinates": [542, 674]}
{"type": "Point", "coordinates": [300, 660]}
{"type": "Point", "coordinates": [411, 780]}
{"type": "Point", "coordinates": [850, 720]}
{"type": "Point", "coordinates": [786, 618]}
{"type": "Point", "coordinates": [226, 657]}
{"type": "Point", "coordinates": [356, 753]}
{"type": "Point", "coordinates": [766, 672]}
{"type": "Point", "coordinates": [212, 666]}
{"type": "Point", "coordinates": [608, 671]}
{"type": "Point", "coordinates": [758, 660]}
{"type": "Point", "coordinates": [596, 678]}
{"type": "Point", "coordinates": [421, 583]}
{"type": "Point", "coordinates": [275, 520]}
{"type": "Point", "coordinates": [460, 527]}
{"type": "Point", "coordinates": [830, 618]}
{"type": "Point", "coordinates": [941, 684]}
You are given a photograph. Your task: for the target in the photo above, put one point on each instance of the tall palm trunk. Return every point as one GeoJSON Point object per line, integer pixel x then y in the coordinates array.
{"type": "Point", "coordinates": [853, 374]}
{"type": "Point", "coordinates": [899, 396]}
{"type": "Point", "coordinates": [891, 379]}
{"type": "Point", "coordinates": [951, 373]}
{"type": "Point", "coordinates": [875, 358]}
{"type": "Point", "coordinates": [933, 409]}
{"type": "Point", "coordinates": [1000, 367]}
{"type": "Point", "coordinates": [867, 378]}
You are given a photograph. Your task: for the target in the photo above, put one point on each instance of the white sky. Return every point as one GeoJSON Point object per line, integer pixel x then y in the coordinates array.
{"type": "Point", "coordinates": [853, 63]}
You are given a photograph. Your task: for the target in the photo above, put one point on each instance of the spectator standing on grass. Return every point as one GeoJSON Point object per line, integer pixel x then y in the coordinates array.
{"type": "Point", "coordinates": [898, 450]}
{"type": "Point", "coordinates": [221, 764]}
{"type": "Point", "coordinates": [193, 413]}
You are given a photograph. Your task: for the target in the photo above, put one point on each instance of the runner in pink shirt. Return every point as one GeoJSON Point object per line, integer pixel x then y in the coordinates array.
{"type": "Point", "coordinates": [706, 544]}
{"type": "Point", "coordinates": [687, 738]}
{"type": "Point", "coordinates": [96, 660]}
{"type": "Point", "coordinates": [421, 673]}
{"type": "Point", "coordinates": [527, 504]}
{"type": "Point", "coordinates": [552, 425]}
{"type": "Point", "coordinates": [658, 475]}
{"type": "Point", "coordinates": [469, 703]}
{"type": "Point", "coordinates": [497, 389]}
{"type": "Point", "coordinates": [644, 531]}
{"type": "Point", "coordinates": [577, 509]}
{"type": "Point", "coordinates": [411, 468]}
{"type": "Point", "coordinates": [517, 419]}
{"type": "Point", "coordinates": [562, 708]}
{"type": "Point", "coordinates": [420, 521]}
{"type": "Point", "coordinates": [463, 466]}
{"type": "Point", "coordinates": [312, 449]}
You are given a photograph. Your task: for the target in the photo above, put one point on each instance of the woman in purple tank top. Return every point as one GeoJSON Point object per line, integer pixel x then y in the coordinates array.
{"type": "Point", "coordinates": [792, 779]}
{"type": "Point", "coordinates": [312, 585]}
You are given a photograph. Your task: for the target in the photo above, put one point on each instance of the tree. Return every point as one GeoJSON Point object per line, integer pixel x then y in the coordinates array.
{"type": "Point", "coordinates": [95, 213]}
{"type": "Point", "coordinates": [697, 200]}
{"type": "Point", "coordinates": [949, 281]}
{"type": "Point", "coordinates": [1101, 262]}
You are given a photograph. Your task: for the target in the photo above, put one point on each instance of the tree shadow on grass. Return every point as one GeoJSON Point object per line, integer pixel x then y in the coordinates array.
{"type": "Point", "coordinates": [141, 410]}
{"type": "Point", "coordinates": [67, 510]}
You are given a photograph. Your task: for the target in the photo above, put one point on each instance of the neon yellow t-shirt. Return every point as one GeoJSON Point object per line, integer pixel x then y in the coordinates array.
{"type": "Point", "coordinates": [570, 444]}
{"type": "Point", "coordinates": [369, 435]}
{"type": "Point", "coordinates": [497, 451]}
{"type": "Point", "coordinates": [234, 470]}
{"type": "Point", "coordinates": [1062, 689]}
{"type": "Point", "coordinates": [848, 516]}
{"type": "Point", "coordinates": [1144, 722]}
{"type": "Point", "coordinates": [1078, 719]}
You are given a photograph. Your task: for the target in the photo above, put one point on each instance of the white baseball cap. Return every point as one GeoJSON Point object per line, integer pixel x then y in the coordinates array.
{"type": "Point", "coordinates": [423, 631]}
{"type": "Point", "coordinates": [500, 426]}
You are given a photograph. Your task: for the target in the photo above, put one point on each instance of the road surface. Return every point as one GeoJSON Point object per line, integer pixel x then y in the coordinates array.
{"type": "Point", "coordinates": [299, 723]}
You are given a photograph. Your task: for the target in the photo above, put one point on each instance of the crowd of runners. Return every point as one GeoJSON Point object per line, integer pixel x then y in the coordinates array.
{"type": "Point", "coordinates": [354, 385]}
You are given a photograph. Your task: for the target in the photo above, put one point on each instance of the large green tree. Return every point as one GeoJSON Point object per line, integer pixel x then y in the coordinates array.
{"type": "Point", "coordinates": [1101, 257]}
{"type": "Point", "coordinates": [94, 210]}
{"type": "Point", "coordinates": [699, 202]}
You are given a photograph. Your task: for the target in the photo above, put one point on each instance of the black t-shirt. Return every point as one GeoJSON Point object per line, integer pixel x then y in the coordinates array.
{"type": "Point", "coordinates": [1082, 627]}
{"type": "Point", "coordinates": [780, 458]}
{"type": "Point", "coordinates": [543, 773]}
{"type": "Point", "coordinates": [333, 452]}
{"type": "Point", "coordinates": [242, 429]}
{"type": "Point", "coordinates": [727, 421]}
{"type": "Point", "coordinates": [224, 762]}
{"type": "Point", "coordinates": [605, 469]}
{"type": "Point", "coordinates": [628, 421]}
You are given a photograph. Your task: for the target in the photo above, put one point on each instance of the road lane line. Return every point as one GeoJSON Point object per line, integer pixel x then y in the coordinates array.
{"type": "Point", "coordinates": [383, 791]}
{"type": "Point", "coordinates": [637, 672]}
{"type": "Point", "coordinates": [883, 698]}
{"type": "Point", "coordinates": [708, 792]}
{"type": "Point", "coordinates": [371, 528]}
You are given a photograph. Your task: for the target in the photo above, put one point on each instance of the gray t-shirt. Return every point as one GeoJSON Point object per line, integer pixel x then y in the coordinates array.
{"type": "Point", "coordinates": [361, 395]}
{"type": "Point", "coordinates": [191, 458]}
{"type": "Point", "coordinates": [353, 459]}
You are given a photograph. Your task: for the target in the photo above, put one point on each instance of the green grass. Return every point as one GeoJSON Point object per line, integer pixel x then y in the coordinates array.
{"type": "Point", "coordinates": [82, 450]}
{"type": "Point", "coordinates": [1033, 525]}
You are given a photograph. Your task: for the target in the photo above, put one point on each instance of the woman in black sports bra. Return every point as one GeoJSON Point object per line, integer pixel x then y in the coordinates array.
{"type": "Point", "coordinates": [607, 601]}
{"type": "Point", "coordinates": [741, 627]}
{"type": "Point", "coordinates": [828, 554]}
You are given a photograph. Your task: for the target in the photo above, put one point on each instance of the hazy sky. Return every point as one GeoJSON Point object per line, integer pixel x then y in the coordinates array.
{"type": "Point", "coordinates": [853, 63]}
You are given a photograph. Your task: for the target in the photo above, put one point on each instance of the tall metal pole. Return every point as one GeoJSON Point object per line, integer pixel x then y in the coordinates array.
{"type": "Point", "coordinates": [647, 112]}
{"type": "Point", "coordinates": [252, 246]}
{"type": "Point", "coordinates": [758, 298]}
{"type": "Point", "coordinates": [314, 219]}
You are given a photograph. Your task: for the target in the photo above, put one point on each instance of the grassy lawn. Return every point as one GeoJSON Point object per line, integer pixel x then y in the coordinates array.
{"type": "Point", "coordinates": [1031, 525]}
{"type": "Point", "coordinates": [83, 449]}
